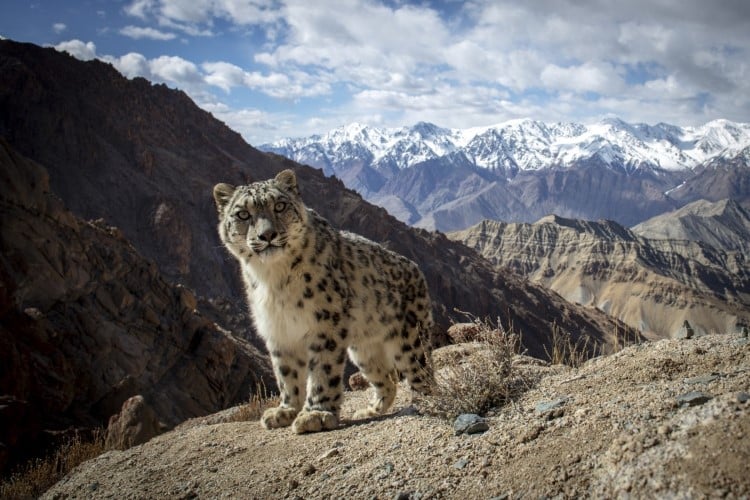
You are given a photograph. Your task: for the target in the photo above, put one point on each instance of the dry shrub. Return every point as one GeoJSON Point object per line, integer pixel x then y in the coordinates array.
{"type": "Point", "coordinates": [481, 381]}
{"type": "Point", "coordinates": [253, 409]}
{"type": "Point", "coordinates": [566, 351]}
{"type": "Point", "coordinates": [37, 476]}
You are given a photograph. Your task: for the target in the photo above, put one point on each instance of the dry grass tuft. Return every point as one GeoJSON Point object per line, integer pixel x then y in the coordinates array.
{"type": "Point", "coordinates": [259, 402]}
{"type": "Point", "coordinates": [39, 475]}
{"type": "Point", "coordinates": [477, 383]}
{"type": "Point", "coordinates": [565, 351]}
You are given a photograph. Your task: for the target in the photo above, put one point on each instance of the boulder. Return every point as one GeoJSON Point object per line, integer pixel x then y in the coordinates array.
{"type": "Point", "coordinates": [135, 424]}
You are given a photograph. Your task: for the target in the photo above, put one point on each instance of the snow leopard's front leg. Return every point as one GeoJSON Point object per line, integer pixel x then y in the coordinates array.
{"type": "Point", "coordinates": [325, 370]}
{"type": "Point", "coordinates": [290, 369]}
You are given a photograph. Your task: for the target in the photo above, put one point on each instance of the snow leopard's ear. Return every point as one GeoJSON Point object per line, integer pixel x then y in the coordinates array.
{"type": "Point", "coordinates": [287, 181]}
{"type": "Point", "coordinates": [222, 194]}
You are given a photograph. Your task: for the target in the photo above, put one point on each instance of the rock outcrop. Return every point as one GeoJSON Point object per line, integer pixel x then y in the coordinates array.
{"type": "Point", "coordinates": [86, 323]}
{"type": "Point", "coordinates": [135, 424]}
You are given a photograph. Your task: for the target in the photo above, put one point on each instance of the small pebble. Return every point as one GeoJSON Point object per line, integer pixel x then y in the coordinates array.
{"type": "Point", "coordinates": [309, 469]}
{"type": "Point", "coordinates": [330, 453]}
{"type": "Point", "coordinates": [546, 406]}
{"type": "Point", "coordinates": [703, 379]}
{"type": "Point", "coordinates": [693, 398]}
{"type": "Point", "coordinates": [461, 463]}
{"type": "Point", "coordinates": [470, 423]}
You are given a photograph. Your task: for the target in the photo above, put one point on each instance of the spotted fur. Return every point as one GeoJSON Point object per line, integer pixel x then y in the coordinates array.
{"type": "Point", "coordinates": [317, 293]}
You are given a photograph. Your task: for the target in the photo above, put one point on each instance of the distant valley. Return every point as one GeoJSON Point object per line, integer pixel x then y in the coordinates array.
{"type": "Point", "coordinates": [522, 170]}
{"type": "Point", "coordinates": [687, 265]}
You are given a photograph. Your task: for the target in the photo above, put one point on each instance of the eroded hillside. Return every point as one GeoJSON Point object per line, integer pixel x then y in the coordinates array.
{"type": "Point", "coordinates": [653, 285]}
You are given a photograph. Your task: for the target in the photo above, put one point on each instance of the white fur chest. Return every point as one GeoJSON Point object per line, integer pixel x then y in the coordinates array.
{"type": "Point", "coordinates": [277, 319]}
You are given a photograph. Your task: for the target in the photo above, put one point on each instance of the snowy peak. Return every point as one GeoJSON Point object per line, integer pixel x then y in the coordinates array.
{"type": "Point", "coordinates": [518, 145]}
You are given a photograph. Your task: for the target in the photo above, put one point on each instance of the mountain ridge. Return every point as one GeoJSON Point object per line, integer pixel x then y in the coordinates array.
{"type": "Point", "coordinates": [529, 144]}
{"type": "Point", "coordinates": [611, 169]}
{"type": "Point", "coordinates": [724, 224]}
{"type": "Point", "coordinates": [653, 285]}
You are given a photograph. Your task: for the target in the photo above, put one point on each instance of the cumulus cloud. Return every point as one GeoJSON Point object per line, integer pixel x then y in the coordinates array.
{"type": "Point", "coordinates": [131, 65]}
{"type": "Point", "coordinates": [174, 69]}
{"type": "Point", "coordinates": [197, 16]}
{"type": "Point", "coordinates": [462, 63]}
{"type": "Point", "coordinates": [138, 32]}
{"type": "Point", "coordinates": [139, 8]}
{"type": "Point", "coordinates": [59, 27]}
{"type": "Point", "coordinates": [78, 49]}
{"type": "Point", "coordinates": [588, 77]}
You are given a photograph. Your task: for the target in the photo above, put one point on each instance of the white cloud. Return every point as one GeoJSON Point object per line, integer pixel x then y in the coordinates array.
{"type": "Point", "coordinates": [138, 32]}
{"type": "Point", "coordinates": [196, 17]}
{"type": "Point", "coordinates": [131, 65]}
{"type": "Point", "coordinates": [139, 8]}
{"type": "Point", "coordinates": [224, 75]}
{"type": "Point", "coordinates": [175, 70]}
{"type": "Point", "coordinates": [486, 61]}
{"type": "Point", "coordinates": [78, 49]}
{"type": "Point", "coordinates": [588, 77]}
{"type": "Point", "coordinates": [295, 85]}
{"type": "Point", "coordinates": [59, 27]}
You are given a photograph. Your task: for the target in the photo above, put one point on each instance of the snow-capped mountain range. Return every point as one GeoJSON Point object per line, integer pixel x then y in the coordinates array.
{"type": "Point", "coordinates": [375, 161]}
{"type": "Point", "coordinates": [520, 144]}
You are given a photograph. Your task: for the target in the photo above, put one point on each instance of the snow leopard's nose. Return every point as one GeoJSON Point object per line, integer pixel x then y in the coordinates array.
{"type": "Point", "coordinates": [265, 231]}
{"type": "Point", "coordinates": [268, 235]}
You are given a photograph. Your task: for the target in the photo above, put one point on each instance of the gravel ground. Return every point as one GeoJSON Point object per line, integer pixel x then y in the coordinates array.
{"type": "Point", "coordinates": [663, 419]}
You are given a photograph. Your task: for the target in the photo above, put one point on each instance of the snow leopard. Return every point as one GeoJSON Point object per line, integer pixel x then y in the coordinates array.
{"type": "Point", "coordinates": [315, 294]}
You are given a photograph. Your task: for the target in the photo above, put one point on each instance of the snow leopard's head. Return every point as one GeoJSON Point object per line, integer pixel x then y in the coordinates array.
{"type": "Point", "coordinates": [263, 220]}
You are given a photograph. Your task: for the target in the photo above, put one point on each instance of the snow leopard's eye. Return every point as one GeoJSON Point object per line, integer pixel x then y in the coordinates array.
{"type": "Point", "coordinates": [243, 215]}
{"type": "Point", "coordinates": [279, 207]}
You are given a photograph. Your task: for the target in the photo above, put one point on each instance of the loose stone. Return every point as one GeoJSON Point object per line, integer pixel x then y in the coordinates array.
{"type": "Point", "coordinates": [693, 398]}
{"type": "Point", "coordinates": [470, 423]}
{"type": "Point", "coordinates": [546, 406]}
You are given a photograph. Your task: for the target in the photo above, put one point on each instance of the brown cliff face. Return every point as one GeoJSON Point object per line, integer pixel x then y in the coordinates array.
{"type": "Point", "coordinates": [86, 323]}
{"type": "Point", "coordinates": [652, 285]}
{"type": "Point", "coordinates": [145, 158]}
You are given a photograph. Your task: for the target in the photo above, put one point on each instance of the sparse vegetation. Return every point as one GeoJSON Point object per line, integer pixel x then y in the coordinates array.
{"type": "Point", "coordinates": [260, 401]}
{"type": "Point", "coordinates": [481, 380]}
{"type": "Point", "coordinates": [37, 476]}
{"type": "Point", "coordinates": [565, 351]}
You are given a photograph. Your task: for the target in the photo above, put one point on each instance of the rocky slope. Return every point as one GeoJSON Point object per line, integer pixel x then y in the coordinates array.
{"type": "Point", "coordinates": [652, 285]}
{"type": "Point", "coordinates": [525, 169]}
{"type": "Point", "coordinates": [724, 224]}
{"type": "Point", "coordinates": [145, 158]}
{"type": "Point", "coordinates": [669, 419]}
{"type": "Point", "coordinates": [86, 322]}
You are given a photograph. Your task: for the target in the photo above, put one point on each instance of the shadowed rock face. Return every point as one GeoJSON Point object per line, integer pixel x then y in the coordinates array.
{"type": "Point", "coordinates": [652, 285]}
{"type": "Point", "coordinates": [86, 322]}
{"type": "Point", "coordinates": [145, 158]}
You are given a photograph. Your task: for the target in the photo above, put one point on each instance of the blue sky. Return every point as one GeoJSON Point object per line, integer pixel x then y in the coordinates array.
{"type": "Point", "coordinates": [273, 69]}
